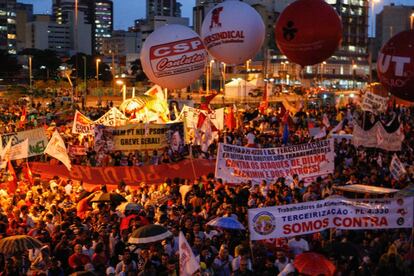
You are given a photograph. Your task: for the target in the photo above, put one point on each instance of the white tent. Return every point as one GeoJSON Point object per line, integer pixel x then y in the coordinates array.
{"type": "Point", "coordinates": [238, 88]}
{"type": "Point", "coordinates": [258, 82]}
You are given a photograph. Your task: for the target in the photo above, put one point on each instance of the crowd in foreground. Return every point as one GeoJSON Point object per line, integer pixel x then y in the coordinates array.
{"type": "Point", "coordinates": [80, 236]}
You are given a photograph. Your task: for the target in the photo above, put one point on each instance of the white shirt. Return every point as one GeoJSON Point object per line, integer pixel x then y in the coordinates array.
{"type": "Point", "coordinates": [250, 138]}
{"type": "Point", "coordinates": [281, 265]}
{"type": "Point", "coordinates": [298, 247]}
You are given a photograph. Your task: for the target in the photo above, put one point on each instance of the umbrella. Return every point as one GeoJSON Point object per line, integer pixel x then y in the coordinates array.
{"type": "Point", "coordinates": [109, 197]}
{"type": "Point", "coordinates": [19, 243]}
{"type": "Point", "coordinates": [129, 206]}
{"type": "Point", "coordinates": [149, 233]}
{"type": "Point", "coordinates": [310, 263]}
{"type": "Point", "coordinates": [226, 223]}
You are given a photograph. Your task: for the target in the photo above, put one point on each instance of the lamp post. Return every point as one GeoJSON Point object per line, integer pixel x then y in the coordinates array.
{"type": "Point", "coordinates": [322, 71]}
{"type": "Point", "coordinates": [354, 68]}
{"type": "Point", "coordinates": [412, 21]}
{"type": "Point", "coordinates": [98, 60]}
{"type": "Point", "coordinates": [30, 73]}
{"type": "Point", "coordinates": [223, 77]}
{"type": "Point", "coordinates": [121, 82]}
{"type": "Point", "coordinates": [85, 83]}
{"type": "Point", "coordinates": [210, 77]}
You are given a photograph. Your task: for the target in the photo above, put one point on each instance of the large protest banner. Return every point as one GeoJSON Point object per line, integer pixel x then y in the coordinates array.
{"type": "Point", "coordinates": [377, 137]}
{"type": "Point", "coordinates": [237, 164]}
{"type": "Point", "coordinates": [340, 213]}
{"type": "Point", "coordinates": [140, 137]}
{"type": "Point", "coordinates": [130, 175]}
{"type": "Point", "coordinates": [37, 140]}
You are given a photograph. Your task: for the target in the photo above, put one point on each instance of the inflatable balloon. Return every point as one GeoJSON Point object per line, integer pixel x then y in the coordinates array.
{"type": "Point", "coordinates": [308, 31]}
{"type": "Point", "coordinates": [395, 65]}
{"type": "Point", "coordinates": [233, 32]}
{"type": "Point", "coordinates": [173, 56]}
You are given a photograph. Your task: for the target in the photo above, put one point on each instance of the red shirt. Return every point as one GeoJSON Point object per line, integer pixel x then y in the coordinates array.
{"type": "Point", "coordinates": [77, 260]}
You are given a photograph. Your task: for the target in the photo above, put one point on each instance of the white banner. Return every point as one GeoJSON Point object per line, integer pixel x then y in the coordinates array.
{"type": "Point", "coordinates": [188, 262]}
{"type": "Point", "coordinates": [397, 168]}
{"type": "Point", "coordinates": [374, 103]}
{"type": "Point", "coordinates": [113, 117]}
{"type": "Point", "coordinates": [37, 140]}
{"type": "Point", "coordinates": [377, 137]}
{"type": "Point", "coordinates": [340, 213]}
{"type": "Point", "coordinates": [56, 148]}
{"type": "Point", "coordinates": [237, 164]}
{"type": "Point", "coordinates": [19, 151]}
{"type": "Point", "coordinates": [82, 124]}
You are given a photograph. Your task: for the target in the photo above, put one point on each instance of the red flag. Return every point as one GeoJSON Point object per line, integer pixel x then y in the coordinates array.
{"type": "Point", "coordinates": [205, 102]}
{"type": "Point", "coordinates": [12, 183]}
{"type": "Point", "coordinates": [231, 120]}
{"type": "Point", "coordinates": [23, 118]}
{"type": "Point", "coordinates": [29, 175]}
{"type": "Point", "coordinates": [201, 118]}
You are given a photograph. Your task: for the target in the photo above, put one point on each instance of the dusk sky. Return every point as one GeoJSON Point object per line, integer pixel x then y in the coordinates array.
{"type": "Point", "coordinates": [126, 11]}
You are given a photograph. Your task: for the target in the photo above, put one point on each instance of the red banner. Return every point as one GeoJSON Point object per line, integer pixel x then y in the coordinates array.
{"type": "Point", "coordinates": [130, 175]}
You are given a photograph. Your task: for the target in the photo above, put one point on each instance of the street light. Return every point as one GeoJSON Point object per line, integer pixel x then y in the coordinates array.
{"type": "Point", "coordinates": [98, 60]}
{"type": "Point", "coordinates": [121, 82]}
{"type": "Point", "coordinates": [412, 21]}
{"type": "Point", "coordinates": [322, 71]}
{"type": "Point", "coordinates": [30, 73]}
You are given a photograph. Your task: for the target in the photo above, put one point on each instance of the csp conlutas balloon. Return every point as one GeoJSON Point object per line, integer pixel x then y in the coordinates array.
{"type": "Point", "coordinates": [233, 32]}
{"type": "Point", "coordinates": [173, 56]}
{"type": "Point", "coordinates": [395, 65]}
{"type": "Point", "coordinates": [308, 31]}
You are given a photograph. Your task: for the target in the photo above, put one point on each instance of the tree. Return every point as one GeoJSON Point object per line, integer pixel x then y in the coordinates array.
{"type": "Point", "coordinates": [45, 63]}
{"type": "Point", "coordinates": [77, 62]}
{"type": "Point", "coordinates": [8, 64]}
{"type": "Point", "coordinates": [136, 69]}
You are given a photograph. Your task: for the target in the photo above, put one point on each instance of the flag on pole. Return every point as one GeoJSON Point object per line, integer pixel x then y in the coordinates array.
{"type": "Point", "coordinates": [29, 174]}
{"type": "Point", "coordinates": [12, 181]}
{"type": "Point", "coordinates": [188, 262]}
{"type": "Point", "coordinates": [56, 148]}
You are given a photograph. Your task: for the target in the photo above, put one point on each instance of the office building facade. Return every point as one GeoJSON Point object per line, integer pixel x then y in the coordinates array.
{"type": "Point", "coordinates": [8, 38]}
{"type": "Point", "coordinates": [170, 8]}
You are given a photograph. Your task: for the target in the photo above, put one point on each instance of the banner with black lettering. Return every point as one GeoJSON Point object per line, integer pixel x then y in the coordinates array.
{"type": "Point", "coordinates": [140, 137]}
{"type": "Point", "coordinates": [237, 164]}
{"type": "Point", "coordinates": [374, 103]}
{"type": "Point", "coordinates": [37, 140]}
{"type": "Point", "coordinates": [341, 213]}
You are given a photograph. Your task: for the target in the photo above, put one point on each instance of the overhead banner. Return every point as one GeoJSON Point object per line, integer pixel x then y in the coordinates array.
{"type": "Point", "coordinates": [374, 103]}
{"type": "Point", "coordinates": [140, 137]}
{"type": "Point", "coordinates": [377, 137]}
{"type": "Point", "coordinates": [130, 175]}
{"type": "Point", "coordinates": [37, 140]}
{"type": "Point", "coordinates": [82, 124]}
{"type": "Point", "coordinates": [341, 213]}
{"type": "Point", "coordinates": [237, 164]}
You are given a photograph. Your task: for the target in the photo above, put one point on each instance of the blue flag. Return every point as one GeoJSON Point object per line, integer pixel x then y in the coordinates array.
{"type": "Point", "coordinates": [285, 136]}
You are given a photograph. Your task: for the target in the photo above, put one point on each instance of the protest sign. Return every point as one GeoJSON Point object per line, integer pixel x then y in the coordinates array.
{"type": "Point", "coordinates": [397, 168]}
{"type": "Point", "coordinates": [82, 124]}
{"type": "Point", "coordinates": [140, 137]}
{"type": "Point", "coordinates": [37, 140]}
{"type": "Point", "coordinates": [373, 103]}
{"type": "Point", "coordinates": [76, 150]}
{"type": "Point", "coordinates": [113, 117]}
{"type": "Point", "coordinates": [340, 213]}
{"type": "Point", "coordinates": [237, 164]}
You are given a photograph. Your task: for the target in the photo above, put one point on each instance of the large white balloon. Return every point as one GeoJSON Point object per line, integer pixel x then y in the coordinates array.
{"type": "Point", "coordinates": [233, 32]}
{"type": "Point", "coordinates": [173, 56]}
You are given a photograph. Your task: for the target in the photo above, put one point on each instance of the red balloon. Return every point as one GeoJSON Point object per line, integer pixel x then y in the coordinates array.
{"type": "Point", "coordinates": [395, 65]}
{"type": "Point", "coordinates": [308, 31]}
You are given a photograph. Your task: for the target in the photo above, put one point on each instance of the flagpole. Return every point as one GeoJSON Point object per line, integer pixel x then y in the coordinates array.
{"type": "Point", "coordinates": [191, 160]}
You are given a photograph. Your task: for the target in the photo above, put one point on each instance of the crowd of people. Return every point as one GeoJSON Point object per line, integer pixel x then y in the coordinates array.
{"type": "Point", "coordinates": [80, 236]}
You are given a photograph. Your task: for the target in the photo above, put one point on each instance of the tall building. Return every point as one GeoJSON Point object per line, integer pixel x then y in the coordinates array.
{"type": "Point", "coordinates": [103, 23]}
{"type": "Point", "coordinates": [44, 33]}
{"type": "Point", "coordinates": [8, 39]}
{"type": "Point", "coordinates": [163, 8]}
{"type": "Point", "coordinates": [200, 10]}
{"type": "Point", "coordinates": [24, 14]}
{"type": "Point", "coordinates": [98, 13]}
{"type": "Point", "coordinates": [391, 21]}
